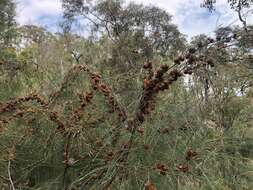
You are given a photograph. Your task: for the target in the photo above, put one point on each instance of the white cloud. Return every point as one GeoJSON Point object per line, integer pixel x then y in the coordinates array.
{"type": "Point", "coordinates": [193, 20]}
{"type": "Point", "coordinates": [40, 12]}
{"type": "Point", "coordinates": [187, 14]}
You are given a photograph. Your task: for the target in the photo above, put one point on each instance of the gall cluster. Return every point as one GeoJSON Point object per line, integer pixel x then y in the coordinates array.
{"type": "Point", "coordinates": [11, 105]}
{"type": "Point", "coordinates": [55, 118]}
{"type": "Point", "coordinates": [161, 168]}
{"type": "Point", "coordinates": [97, 84]}
{"type": "Point", "coordinates": [190, 154]}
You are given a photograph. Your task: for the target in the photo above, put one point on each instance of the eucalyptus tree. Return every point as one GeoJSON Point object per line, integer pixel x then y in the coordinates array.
{"type": "Point", "coordinates": [119, 19]}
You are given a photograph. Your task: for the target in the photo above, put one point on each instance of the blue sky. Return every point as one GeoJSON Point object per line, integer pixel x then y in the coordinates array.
{"type": "Point", "coordinates": [187, 14]}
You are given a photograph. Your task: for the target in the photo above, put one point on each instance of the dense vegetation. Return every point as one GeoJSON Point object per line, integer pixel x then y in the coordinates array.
{"type": "Point", "coordinates": [132, 105]}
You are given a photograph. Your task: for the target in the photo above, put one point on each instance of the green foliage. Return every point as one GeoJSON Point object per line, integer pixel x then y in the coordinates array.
{"type": "Point", "coordinates": [113, 112]}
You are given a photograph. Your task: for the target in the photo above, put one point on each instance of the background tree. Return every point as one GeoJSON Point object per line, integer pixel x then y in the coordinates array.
{"type": "Point", "coordinates": [7, 22]}
{"type": "Point", "coordinates": [134, 33]}
{"type": "Point", "coordinates": [236, 5]}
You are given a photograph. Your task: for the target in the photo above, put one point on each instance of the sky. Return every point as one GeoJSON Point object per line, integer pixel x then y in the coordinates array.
{"type": "Point", "coordinates": [187, 14]}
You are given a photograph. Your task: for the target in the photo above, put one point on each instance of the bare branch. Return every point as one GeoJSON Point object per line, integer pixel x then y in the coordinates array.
{"type": "Point", "coordinates": [9, 175]}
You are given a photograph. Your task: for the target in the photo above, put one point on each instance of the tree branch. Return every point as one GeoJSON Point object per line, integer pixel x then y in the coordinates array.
{"type": "Point", "coordinates": [240, 15]}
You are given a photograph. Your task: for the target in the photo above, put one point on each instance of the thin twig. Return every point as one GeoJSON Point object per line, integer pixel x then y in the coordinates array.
{"type": "Point", "coordinates": [9, 174]}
